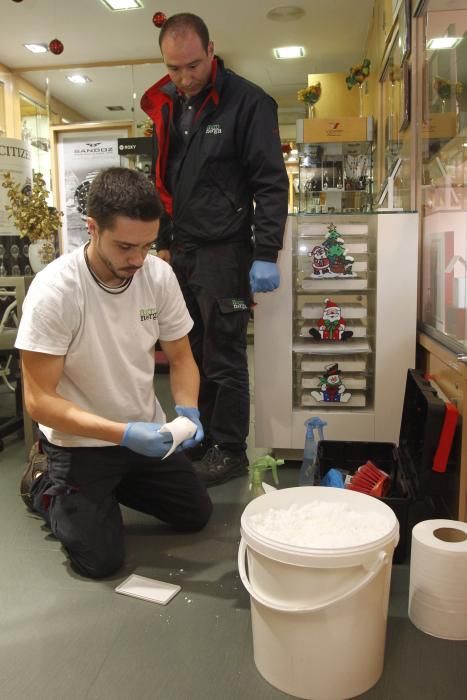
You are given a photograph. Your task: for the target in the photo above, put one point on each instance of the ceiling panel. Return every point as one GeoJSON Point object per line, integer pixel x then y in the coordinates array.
{"type": "Point", "coordinates": [333, 32]}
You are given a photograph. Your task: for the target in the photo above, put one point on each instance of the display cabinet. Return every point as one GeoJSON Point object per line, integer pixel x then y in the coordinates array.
{"type": "Point", "coordinates": [334, 324]}
{"type": "Point", "coordinates": [334, 177]}
{"type": "Point", "coordinates": [443, 140]}
{"type": "Point", "coordinates": [291, 166]}
{"type": "Point", "coordinates": [35, 125]}
{"type": "Point", "coordinates": [444, 278]}
{"type": "Point", "coordinates": [338, 336]}
{"type": "Point", "coordinates": [335, 165]}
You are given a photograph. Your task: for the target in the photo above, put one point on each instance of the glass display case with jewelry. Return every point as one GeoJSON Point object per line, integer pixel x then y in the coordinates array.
{"type": "Point", "coordinates": [335, 177]}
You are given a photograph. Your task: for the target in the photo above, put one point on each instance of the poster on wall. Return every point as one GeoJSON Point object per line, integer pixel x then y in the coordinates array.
{"type": "Point", "coordinates": [15, 158]}
{"type": "Point", "coordinates": [81, 155]}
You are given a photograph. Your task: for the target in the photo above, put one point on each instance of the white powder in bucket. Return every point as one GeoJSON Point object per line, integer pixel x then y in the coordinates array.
{"type": "Point", "coordinates": [321, 524]}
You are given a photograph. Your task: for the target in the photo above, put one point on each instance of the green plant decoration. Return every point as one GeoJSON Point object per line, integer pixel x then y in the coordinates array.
{"type": "Point", "coordinates": [31, 215]}
{"type": "Point", "coordinates": [358, 74]}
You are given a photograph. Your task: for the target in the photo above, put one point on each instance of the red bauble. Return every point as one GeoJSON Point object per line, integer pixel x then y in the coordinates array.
{"type": "Point", "coordinates": [158, 19]}
{"type": "Point", "coordinates": [56, 46]}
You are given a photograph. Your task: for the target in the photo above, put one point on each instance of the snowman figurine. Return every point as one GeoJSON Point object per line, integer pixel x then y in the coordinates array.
{"type": "Point", "coordinates": [331, 388]}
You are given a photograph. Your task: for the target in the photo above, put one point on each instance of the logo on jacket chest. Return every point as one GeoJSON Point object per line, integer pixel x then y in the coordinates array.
{"type": "Point", "coordinates": [213, 129]}
{"type": "Point", "coordinates": [148, 314]}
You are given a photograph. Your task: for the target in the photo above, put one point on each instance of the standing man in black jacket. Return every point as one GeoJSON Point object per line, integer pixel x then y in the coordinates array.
{"type": "Point", "coordinates": [220, 173]}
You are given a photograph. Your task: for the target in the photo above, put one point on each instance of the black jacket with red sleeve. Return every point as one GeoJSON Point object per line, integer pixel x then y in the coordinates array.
{"type": "Point", "coordinates": [233, 159]}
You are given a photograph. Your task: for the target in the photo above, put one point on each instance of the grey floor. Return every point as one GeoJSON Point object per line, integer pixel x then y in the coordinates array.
{"type": "Point", "coordinates": [66, 638]}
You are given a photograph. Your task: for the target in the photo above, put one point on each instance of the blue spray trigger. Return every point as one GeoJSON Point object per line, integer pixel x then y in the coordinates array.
{"type": "Point", "coordinates": [333, 478]}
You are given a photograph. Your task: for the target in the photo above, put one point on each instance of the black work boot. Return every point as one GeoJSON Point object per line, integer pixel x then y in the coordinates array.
{"type": "Point", "coordinates": [197, 452]}
{"type": "Point", "coordinates": [219, 465]}
{"type": "Point", "coordinates": [37, 465]}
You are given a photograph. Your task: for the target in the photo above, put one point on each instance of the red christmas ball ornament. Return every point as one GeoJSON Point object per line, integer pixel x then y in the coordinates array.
{"type": "Point", "coordinates": [56, 47]}
{"type": "Point", "coordinates": [158, 19]}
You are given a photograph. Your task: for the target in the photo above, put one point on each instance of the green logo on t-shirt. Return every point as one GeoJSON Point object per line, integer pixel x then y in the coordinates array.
{"type": "Point", "coordinates": [148, 314]}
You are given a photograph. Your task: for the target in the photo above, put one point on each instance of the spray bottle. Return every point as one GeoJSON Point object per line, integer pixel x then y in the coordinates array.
{"type": "Point", "coordinates": [257, 469]}
{"type": "Point", "coordinates": [309, 475]}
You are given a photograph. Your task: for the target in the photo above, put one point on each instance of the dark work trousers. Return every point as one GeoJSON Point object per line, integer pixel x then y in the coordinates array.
{"type": "Point", "coordinates": [79, 498]}
{"type": "Point", "coordinates": [215, 283]}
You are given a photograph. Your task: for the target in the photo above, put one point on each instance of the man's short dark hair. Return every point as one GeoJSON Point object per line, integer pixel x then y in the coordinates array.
{"type": "Point", "coordinates": [183, 21]}
{"type": "Point", "coordinates": [122, 192]}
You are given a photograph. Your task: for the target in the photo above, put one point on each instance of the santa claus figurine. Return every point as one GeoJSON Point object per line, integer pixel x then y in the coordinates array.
{"type": "Point", "coordinates": [331, 326]}
{"type": "Point", "coordinates": [331, 386]}
{"type": "Point", "coordinates": [320, 261]}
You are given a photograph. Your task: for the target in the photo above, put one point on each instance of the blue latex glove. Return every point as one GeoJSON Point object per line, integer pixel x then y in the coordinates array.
{"type": "Point", "coordinates": [193, 415]}
{"type": "Point", "coordinates": [145, 439]}
{"type": "Point", "coordinates": [264, 276]}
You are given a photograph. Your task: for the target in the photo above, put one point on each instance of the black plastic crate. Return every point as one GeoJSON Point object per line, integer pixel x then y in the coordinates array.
{"type": "Point", "coordinates": [410, 465]}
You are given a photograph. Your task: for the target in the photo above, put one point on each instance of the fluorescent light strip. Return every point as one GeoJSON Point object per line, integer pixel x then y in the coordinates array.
{"type": "Point", "coordinates": [117, 5]}
{"type": "Point", "coordinates": [78, 79]}
{"type": "Point", "coordinates": [36, 48]}
{"type": "Point", "coordinates": [443, 42]}
{"type": "Point", "coordinates": [289, 52]}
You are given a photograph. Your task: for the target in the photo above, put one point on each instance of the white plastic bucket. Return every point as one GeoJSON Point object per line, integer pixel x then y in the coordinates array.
{"type": "Point", "coordinates": [318, 615]}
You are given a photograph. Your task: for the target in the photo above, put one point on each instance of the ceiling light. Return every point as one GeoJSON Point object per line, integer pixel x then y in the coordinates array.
{"type": "Point", "coordinates": [78, 79]}
{"type": "Point", "coordinates": [289, 52]}
{"type": "Point", "coordinates": [36, 48]}
{"type": "Point", "coordinates": [285, 13]}
{"type": "Point", "coordinates": [122, 4]}
{"type": "Point", "coordinates": [443, 42]}
{"type": "Point", "coordinates": [115, 108]}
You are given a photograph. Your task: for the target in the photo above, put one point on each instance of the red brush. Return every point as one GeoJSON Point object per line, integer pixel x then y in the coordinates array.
{"type": "Point", "coordinates": [371, 480]}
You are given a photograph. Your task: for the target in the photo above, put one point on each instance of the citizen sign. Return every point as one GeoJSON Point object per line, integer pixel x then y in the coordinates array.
{"type": "Point", "coordinates": [15, 152]}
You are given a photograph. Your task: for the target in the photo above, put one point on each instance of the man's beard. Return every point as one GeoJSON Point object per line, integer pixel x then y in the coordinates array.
{"type": "Point", "coordinates": [109, 265]}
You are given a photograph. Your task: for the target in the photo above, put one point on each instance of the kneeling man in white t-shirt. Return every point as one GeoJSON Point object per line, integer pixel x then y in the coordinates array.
{"type": "Point", "coordinates": [90, 323]}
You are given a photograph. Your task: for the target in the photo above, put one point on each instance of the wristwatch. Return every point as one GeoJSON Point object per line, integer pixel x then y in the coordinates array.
{"type": "Point", "coordinates": [81, 193]}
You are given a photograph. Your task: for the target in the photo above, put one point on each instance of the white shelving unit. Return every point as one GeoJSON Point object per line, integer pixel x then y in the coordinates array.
{"type": "Point", "coordinates": [377, 297]}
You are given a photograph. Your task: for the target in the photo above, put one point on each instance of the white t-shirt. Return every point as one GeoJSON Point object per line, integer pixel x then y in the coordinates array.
{"type": "Point", "coordinates": [108, 339]}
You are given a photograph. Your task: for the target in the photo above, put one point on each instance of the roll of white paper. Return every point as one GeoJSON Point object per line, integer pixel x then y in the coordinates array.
{"type": "Point", "coordinates": [181, 428]}
{"type": "Point", "coordinates": [438, 578]}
